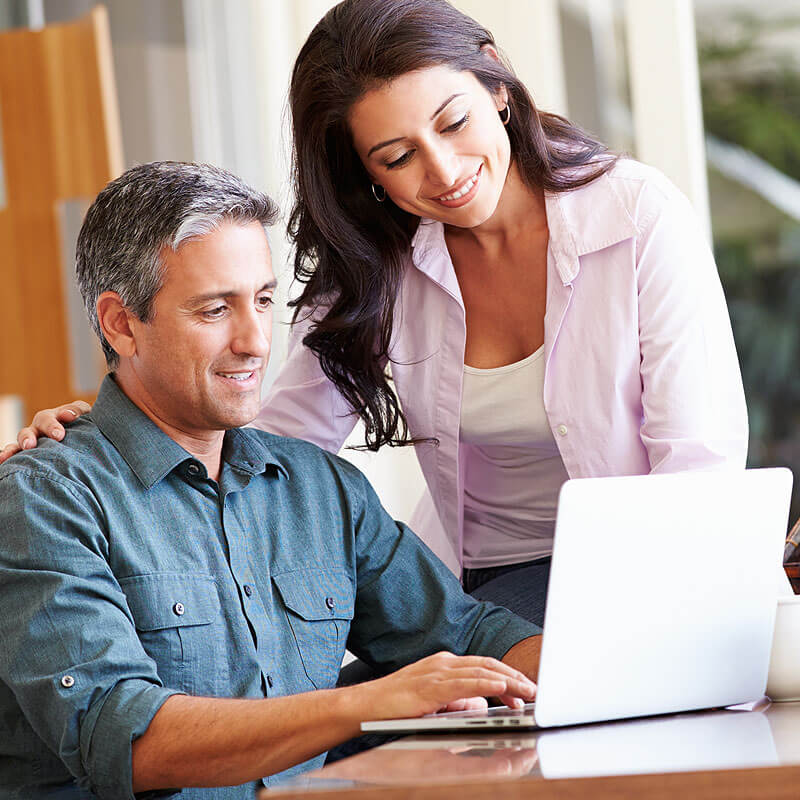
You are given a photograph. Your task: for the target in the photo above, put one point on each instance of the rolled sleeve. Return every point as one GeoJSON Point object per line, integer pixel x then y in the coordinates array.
{"type": "Point", "coordinates": [69, 651]}
{"type": "Point", "coordinates": [108, 733]}
{"type": "Point", "coordinates": [410, 605]}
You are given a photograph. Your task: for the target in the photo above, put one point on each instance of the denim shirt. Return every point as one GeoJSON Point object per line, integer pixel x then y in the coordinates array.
{"type": "Point", "coordinates": [127, 575]}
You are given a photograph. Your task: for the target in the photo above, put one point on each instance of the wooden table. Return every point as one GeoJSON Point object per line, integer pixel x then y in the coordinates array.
{"type": "Point", "coordinates": [719, 755]}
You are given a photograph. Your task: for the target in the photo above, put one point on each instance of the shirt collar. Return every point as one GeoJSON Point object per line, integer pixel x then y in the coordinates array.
{"type": "Point", "coordinates": [151, 454]}
{"type": "Point", "coordinates": [430, 255]}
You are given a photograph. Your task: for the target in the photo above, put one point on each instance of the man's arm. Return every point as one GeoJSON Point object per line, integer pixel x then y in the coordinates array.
{"type": "Point", "coordinates": [409, 604]}
{"type": "Point", "coordinates": [196, 741]}
{"type": "Point", "coordinates": [83, 681]}
{"type": "Point", "coordinates": [524, 656]}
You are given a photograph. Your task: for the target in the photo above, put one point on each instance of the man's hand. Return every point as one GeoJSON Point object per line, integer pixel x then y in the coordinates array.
{"type": "Point", "coordinates": [46, 422]}
{"type": "Point", "coordinates": [442, 682]}
{"type": "Point", "coordinates": [201, 741]}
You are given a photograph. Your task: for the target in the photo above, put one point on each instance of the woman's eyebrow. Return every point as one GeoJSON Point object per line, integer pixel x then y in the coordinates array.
{"type": "Point", "coordinates": [445, 104]}
{"type": "Point", "coordinates": [433, 116]}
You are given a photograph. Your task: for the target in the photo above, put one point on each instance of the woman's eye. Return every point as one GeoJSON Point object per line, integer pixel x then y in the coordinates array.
{"type": "Point", "coordinates": [457, 126]}
{"type": "Point", "coordinates": [398, 162]}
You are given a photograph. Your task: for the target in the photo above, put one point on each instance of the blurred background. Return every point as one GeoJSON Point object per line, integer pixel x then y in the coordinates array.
{"type": "Point", "coordinates": [708, 91]}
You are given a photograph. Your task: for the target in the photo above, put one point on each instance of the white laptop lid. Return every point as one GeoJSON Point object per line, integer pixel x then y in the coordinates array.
{"type": "Point", "coordinates": [662, 594]}
{"type": "Point", "coordinates": [662, 598]}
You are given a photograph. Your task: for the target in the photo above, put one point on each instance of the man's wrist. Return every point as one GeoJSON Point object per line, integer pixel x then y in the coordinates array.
{"type": "Point", "coordinates": [349, 707]}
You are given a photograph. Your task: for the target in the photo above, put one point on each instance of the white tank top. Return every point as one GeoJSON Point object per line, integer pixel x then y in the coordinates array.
{"type": "Point", "coordinates": [514, 469]}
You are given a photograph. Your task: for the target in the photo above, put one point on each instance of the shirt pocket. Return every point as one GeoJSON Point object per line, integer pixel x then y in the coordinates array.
{"type": "Point", "coordinates": [319, 609]}
{"type": "Point", "coordinates": [177, 619]}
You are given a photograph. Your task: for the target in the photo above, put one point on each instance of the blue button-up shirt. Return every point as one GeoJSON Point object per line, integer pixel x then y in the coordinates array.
{"type": "Point", "coordinates": [127, 575]}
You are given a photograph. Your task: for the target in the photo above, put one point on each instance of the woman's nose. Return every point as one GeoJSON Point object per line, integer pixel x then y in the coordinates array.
{"type": "Point", "coordinates": [442, 167]}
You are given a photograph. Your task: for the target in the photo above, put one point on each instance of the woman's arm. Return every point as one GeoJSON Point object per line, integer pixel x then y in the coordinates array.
{"type": "Point", "coordinates": [695, 415]}
{"type": "Point", "coordinates": [303, 402]}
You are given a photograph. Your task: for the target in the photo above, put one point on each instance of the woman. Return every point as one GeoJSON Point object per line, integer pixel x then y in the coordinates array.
{"type": "Point", "coordinates": [547, 310]}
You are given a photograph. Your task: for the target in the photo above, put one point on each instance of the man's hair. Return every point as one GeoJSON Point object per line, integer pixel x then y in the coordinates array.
{"type": "Point", "coordinates": [148, 208]}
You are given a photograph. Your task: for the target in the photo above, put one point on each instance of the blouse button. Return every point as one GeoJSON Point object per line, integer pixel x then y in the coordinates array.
{"type": "Point", "coordinates": [68, 681]}
{"type": "Point", "coordinates": [562, 430]}
{"type": "Point", "coordinates": [178, 609]}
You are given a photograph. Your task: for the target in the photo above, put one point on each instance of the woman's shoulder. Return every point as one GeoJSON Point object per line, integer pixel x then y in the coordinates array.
{"type": "Point", "coordinates": [643, 190]}
{"type": "Point", "coordinates": [631, 193]}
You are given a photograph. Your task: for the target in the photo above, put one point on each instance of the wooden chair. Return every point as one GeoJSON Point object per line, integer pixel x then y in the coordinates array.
{"type": "Point", "coordinates": [61, 144]}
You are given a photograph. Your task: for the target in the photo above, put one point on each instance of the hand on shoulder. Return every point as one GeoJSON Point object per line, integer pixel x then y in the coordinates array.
{"type": "Point", "coordinates": [47, 423]}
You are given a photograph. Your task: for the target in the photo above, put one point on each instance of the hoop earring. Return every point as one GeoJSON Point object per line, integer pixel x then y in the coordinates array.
{"type": "Point", "coordinates": [379, 197]}
{"type": "Point", "coordinates": [505, 114]}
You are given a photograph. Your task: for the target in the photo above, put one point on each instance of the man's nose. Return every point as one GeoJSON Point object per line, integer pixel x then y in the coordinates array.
{"type": "Point", "coordinates": [253, 334]}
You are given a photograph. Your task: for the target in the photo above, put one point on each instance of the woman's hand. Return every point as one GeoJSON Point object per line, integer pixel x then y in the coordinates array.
{"type": "Point", "coordinates": [45, 423]}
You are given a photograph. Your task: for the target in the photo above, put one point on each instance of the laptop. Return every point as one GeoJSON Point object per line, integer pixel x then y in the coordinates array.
{"type": "Point", "coordinates": [661, 599]}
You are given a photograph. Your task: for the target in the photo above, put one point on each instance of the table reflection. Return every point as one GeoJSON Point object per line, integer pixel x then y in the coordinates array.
{"type": "Point", "coordinates": [686, 743]}
{"type": "Point", "coordinates": [761, 735]}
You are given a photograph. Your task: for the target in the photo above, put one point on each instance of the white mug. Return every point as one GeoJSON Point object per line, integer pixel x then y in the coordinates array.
{"type": "Point", "coordinates": [783, 681]}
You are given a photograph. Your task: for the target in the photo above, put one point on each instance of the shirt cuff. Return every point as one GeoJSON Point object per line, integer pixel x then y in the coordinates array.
{"type": "Point", "coordinates": [499, 631]}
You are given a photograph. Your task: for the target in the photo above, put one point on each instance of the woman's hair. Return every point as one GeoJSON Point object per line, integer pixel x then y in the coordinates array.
{"type": "Point", "coordinates": [350, 250]}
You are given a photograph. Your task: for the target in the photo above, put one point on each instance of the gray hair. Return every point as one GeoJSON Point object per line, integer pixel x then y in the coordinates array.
{"type": "Point", "coordinates": [150, 207]}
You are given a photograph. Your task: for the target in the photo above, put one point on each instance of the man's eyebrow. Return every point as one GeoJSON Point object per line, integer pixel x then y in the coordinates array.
{"type": "Point", "coordinates": [433, 116]}
{"type": "Point", "coordinates": [199, 299]}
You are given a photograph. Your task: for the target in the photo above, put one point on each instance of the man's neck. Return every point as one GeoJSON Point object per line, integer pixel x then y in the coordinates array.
{"type": "Point", "coordinates": [204, 445]}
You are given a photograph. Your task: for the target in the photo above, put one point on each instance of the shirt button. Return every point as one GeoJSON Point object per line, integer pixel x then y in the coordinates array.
{"type": "Point", "coordinates": [178, 609]}
{"type": "Point", "coordinates": [193, 469]}
{"type": "Point", "coordinates": [330, 602]}
{"type": "Point", "coordinates": [248, 590]}
{"type": "Point", "coordinates": [562, 430]}
{"type": "Point", "coordinates": [68, 681]}
{"type": "Point", "coordinates": [269, 681]}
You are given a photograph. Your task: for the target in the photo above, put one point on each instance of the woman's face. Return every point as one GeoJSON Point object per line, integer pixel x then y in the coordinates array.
{"type": "Point", "coordinates": [433, 139]}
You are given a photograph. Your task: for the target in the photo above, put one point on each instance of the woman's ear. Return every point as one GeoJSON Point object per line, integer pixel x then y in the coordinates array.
{"type": "Point", "coordinates": [501, 95]}
{"type": "Point", "coordinates": [491, 51]}
{"type": "Point", "coordinates": [114, 319]}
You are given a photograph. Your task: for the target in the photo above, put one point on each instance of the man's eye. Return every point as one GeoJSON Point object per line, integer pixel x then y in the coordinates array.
{"type": "Point", "coordinates": [398, 162]}
{"type": "Point", "coordinates": [215, 313]}
{"type": "Point", "coordinates": [265, 301]}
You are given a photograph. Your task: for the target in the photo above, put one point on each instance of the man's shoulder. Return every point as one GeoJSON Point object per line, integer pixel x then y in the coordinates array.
{"type": "Point", "coordinates": [70, 462]}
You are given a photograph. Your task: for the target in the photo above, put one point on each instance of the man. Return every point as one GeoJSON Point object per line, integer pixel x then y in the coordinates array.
{"type": "Point", "coordinates": [176, 593]}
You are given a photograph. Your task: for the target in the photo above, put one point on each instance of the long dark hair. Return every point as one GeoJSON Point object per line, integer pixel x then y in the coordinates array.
{"type": "Point", "coordinates": [350, 252]}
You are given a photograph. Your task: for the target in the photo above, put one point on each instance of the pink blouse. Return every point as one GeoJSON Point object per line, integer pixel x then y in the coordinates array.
{"type": "Point", "coordinates": [641, 372]}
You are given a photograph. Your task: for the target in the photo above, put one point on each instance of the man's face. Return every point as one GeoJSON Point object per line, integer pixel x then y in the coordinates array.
{"type": "Point", "coordinates": [200, 361]}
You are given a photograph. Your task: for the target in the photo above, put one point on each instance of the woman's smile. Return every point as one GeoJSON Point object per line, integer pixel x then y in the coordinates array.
{"type": "Point", "coordinates": [463, 193]}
